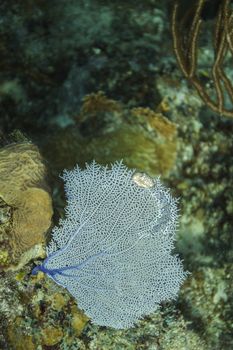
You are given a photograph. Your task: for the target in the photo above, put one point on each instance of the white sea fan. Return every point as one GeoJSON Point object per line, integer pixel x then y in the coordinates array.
{"type": "Point", "coordinates": [113, 249]}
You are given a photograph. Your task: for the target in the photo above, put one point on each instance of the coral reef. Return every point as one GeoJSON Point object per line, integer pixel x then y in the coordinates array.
{"type": "Point", "coordinates": [26, 205]}
{"type": "Point", "coordinates": [44, 322]}
{"type": "Point", "coordinates": [53, 56]}
{"type": "Point", "coordinates": [107, 131]}
{"type": "Point", "coordinates": [205, 299]}
{"type": "Point", "coordinates": [58, 52]}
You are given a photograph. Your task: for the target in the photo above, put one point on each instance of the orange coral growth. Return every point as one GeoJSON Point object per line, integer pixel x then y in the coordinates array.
{"type": "Point", "coordinates": [98, 102]}
{"type": "Point", "coordinates": [157, 121]}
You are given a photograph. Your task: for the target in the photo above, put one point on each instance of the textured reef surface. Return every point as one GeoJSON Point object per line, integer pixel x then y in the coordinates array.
{"type": "Point", "coordinates": [84, 80]}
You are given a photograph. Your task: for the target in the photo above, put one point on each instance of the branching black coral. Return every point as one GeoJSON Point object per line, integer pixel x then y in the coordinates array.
{"type": "Point", "coordinates": [186, 31]}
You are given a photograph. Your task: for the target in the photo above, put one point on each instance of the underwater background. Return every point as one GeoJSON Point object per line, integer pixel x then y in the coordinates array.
{"type": "Point", "coordinates": [147, 82]}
